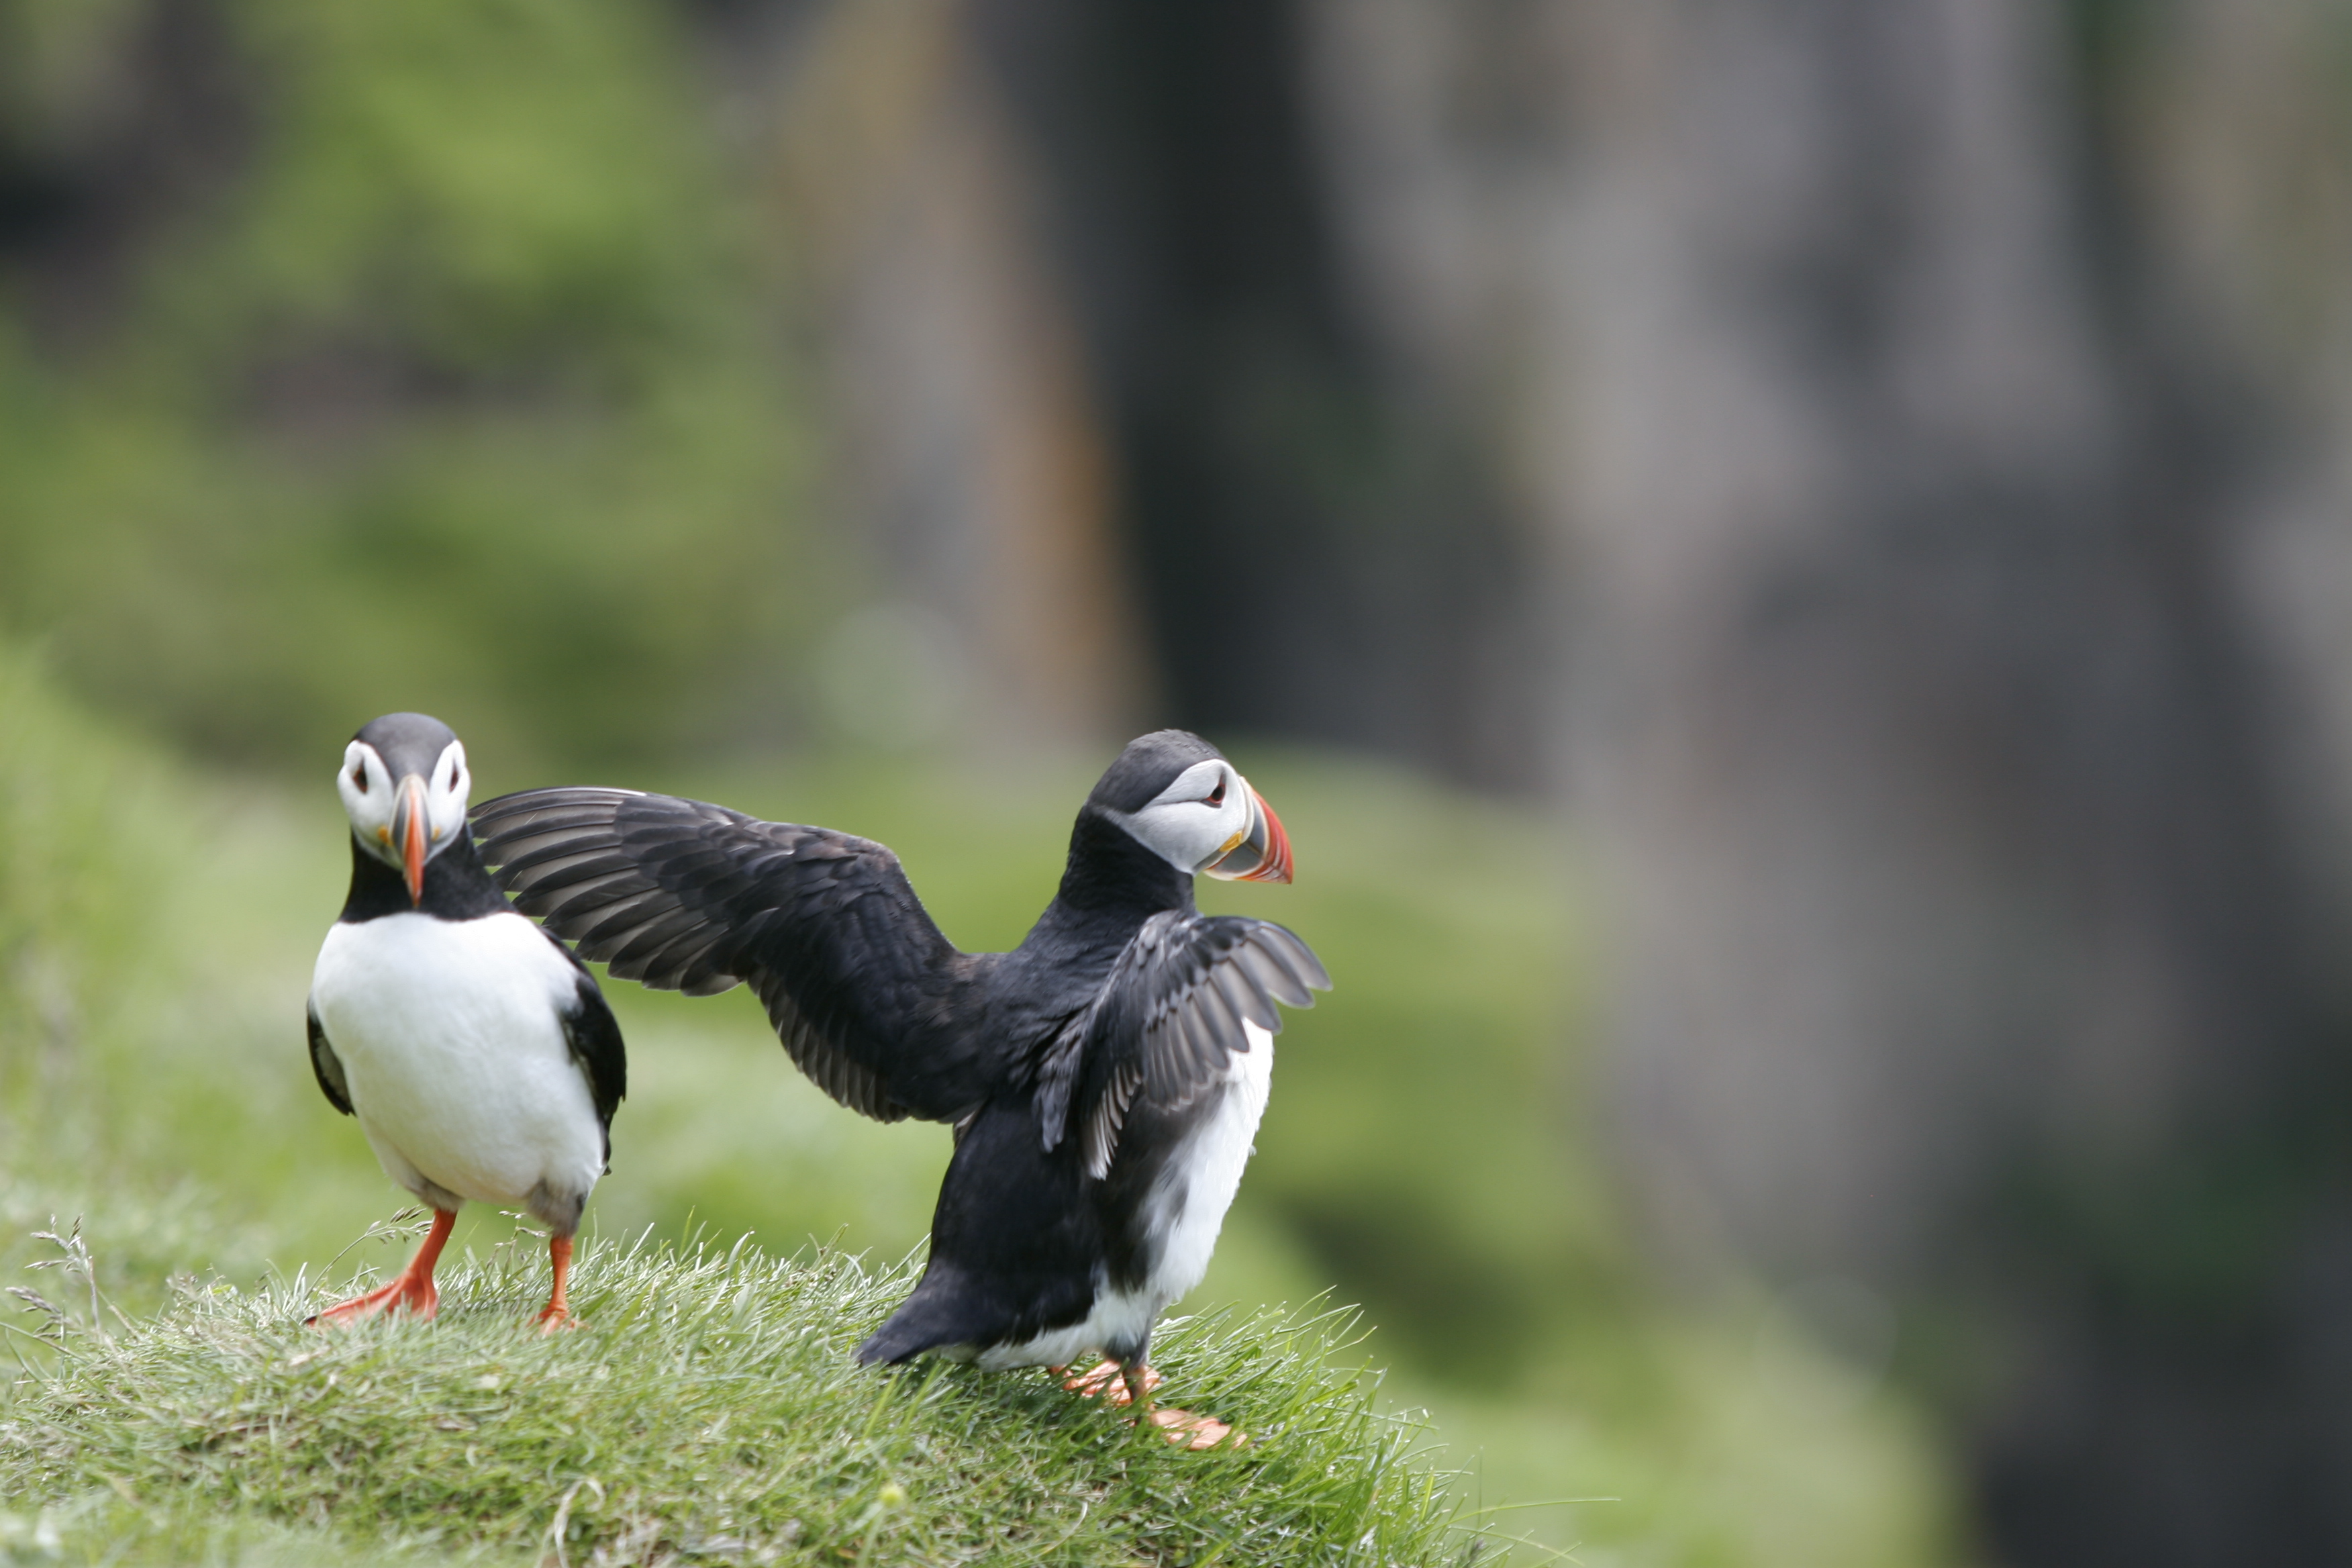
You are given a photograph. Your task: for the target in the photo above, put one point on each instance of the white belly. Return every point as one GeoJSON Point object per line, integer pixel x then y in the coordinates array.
{"type": "Point", "coordinates": [453, 1054]}
{"type": "Point", "coordinates": [1183, 1214]}
{"type": "Point", "coordinates": [1186, 1207]}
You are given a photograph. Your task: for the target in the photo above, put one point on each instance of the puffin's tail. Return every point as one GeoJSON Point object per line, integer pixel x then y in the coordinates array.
{"type": "Point", "coordinates": [938, 1313]}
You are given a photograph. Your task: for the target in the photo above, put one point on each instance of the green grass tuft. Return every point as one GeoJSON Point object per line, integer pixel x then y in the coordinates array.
{"type": "Point", "coordinates": [709, 1411]}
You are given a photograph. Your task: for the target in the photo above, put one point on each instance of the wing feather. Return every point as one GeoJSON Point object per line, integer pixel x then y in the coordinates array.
{"type": "Point", "coordinates": [682, 895]}
{"type": "Point", "coordinates": [1294, 960]}
{"type": "Point", "coordinates": [1167, 1023]}
{"type": "Point", "coordinates": [328, 1065]}
{"type": "Point", "coordinates": [594, 1037]}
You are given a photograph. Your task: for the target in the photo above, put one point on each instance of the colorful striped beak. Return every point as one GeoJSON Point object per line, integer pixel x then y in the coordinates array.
{"type": "Point", "coordinates": [1264, 853]}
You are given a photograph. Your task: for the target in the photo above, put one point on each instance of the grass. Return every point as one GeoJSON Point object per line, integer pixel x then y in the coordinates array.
{"type": "Point", "coordinates": [709, 1411]}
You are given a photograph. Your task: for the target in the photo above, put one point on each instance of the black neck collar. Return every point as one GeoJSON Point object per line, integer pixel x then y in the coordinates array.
{"type": "Point", "coordinates": [456, 887]}
{"type": "Point", "coordinates": [1112, 878]}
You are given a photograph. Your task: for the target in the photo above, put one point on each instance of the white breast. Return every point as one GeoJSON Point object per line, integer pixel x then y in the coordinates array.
{"type": "Point", "coordinates": [1187, 1207]}
{"type": "Point", "coordinates": [453, 1049]}
{"type": "Point", "coordinates": [1181, 1216]}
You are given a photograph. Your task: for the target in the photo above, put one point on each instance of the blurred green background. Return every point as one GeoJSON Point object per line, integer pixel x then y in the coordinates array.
{"type": "Point", "coordinates": [445, 379]}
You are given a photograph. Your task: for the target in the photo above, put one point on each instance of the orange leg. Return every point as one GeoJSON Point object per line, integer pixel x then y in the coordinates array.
{"type": "Point", "coordinates": [1133, 1385]}
{"type": "Point", "coordinates": [1107, 1380]}
{"type": "Point", "coordinates": [411, 1290]}
{"type": "Point", "coordinates": [557, 1313]}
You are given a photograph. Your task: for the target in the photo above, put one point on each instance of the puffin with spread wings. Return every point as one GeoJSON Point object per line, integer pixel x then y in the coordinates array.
{"type": "Point", "coordinates": [1105, 1079]}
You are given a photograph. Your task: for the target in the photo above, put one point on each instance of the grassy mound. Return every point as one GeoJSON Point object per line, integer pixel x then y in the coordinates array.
{"type": "Point", "coordinates": [709, 1411]}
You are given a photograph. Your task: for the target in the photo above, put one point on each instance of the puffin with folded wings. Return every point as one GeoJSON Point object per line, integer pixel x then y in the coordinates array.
{"type": "Point", "coordinates": [1105, 1079]}
{"type": "Point", "coordinates": [473, 1049]}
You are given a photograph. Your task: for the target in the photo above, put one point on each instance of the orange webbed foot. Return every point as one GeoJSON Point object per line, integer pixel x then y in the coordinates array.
{"type": "Point", "coordinates": [417, 1297]}
{"type": "Point", "coordinates": [1132, 1386]}
{"type": "Point", "coordinates": [412, 1291]}
{"type": "Point", "coordinates": [1187, 1430]}
{"type": "Point", "coordinates": [1108, 1380]}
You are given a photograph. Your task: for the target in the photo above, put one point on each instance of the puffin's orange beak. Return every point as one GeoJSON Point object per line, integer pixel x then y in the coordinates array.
{"type": "Point", "coordinates": [408, 829]}
{"type": "Point", "coordinates": [1264, 853]}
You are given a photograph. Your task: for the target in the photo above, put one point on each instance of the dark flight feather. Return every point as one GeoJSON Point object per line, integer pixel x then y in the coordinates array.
{"type": "Point", "coordinates": [824, 926]}
{"type": "Point", "coordinates": [1168, 1021]}
{"type": "Point", "coordinates": [328, 1065]}
{"type": "Point", "coordinates": [594, 1037]}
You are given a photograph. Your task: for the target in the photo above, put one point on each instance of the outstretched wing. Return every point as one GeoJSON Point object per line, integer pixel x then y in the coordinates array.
{"type": "Point", "coordinates": [1167, 1022]}
{"type": "Point", "coordinates": [328, 1065]}
{"type": "Point", "coordinates": [683, 896]}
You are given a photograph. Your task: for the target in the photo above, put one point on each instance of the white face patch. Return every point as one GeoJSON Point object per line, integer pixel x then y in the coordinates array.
{"type": "Point", "coordinates": [372, 797]}
{"type": "Point", "coordinates": [1197, 818]}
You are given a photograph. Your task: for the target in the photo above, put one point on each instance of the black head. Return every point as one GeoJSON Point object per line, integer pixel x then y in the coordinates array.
{"type": "Point", "coordinates": [408, 742]}
{"type": "Point", "coordinates": [1149, 766]}
{"type": "Point", "coordinates": [404, 783]}
{"type": "Point", "coordinates": [1176, 795]}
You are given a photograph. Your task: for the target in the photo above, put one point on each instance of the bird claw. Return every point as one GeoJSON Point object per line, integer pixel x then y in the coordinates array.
{"type": "Point", "coordinates": [1108, 1380]}
{"type": "Point", "coordinates": [412, 1289]}
{"type": "Point", "coordinates": [555, 1320]}
{"type": "Point", "coordinates": [1187, 1430]}
{"type": "Point", "coordinates": [418, 1300]}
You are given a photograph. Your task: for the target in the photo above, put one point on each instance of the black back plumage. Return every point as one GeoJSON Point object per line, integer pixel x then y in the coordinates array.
{"type": "Point", "coordinates": [1037, 1206]}
{"type": "Point", "coordinates": [1121, 1005]}
{"type": "Point", "coordinates": [1017, 1238]}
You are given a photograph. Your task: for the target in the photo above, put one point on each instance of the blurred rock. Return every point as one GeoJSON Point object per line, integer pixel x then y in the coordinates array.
{"type": "Point", "coordinates": [1933, 744]}
{"type": "Point", "coordinates": [1321, 550]}
{"type": "Point", "coordinates": [965, 457]}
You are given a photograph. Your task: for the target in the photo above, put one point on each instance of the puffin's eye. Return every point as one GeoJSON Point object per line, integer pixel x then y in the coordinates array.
{"type": "Point", "coordinates": [453, 772]}
{"type": "Point", "coordinates": [1216, 795]}
{"type": "Point", "coordinates": [358, 776]}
